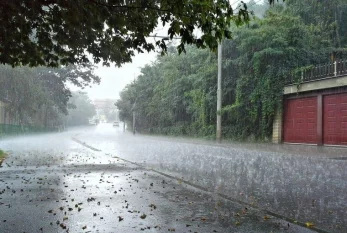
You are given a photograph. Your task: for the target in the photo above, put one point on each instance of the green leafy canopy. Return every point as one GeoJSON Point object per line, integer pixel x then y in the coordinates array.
{"type": "Point", "coordinates": [39, 96]}
{"type": "Point", "coordinates": [176, 94]}
{"type": "Point", "coordinates": [61, 32]}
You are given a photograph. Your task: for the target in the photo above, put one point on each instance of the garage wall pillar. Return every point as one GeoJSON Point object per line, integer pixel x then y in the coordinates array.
{"type": "Point", "coordinates": [320, 120]}
{"type": "Point", "coordinates": [277, 127]}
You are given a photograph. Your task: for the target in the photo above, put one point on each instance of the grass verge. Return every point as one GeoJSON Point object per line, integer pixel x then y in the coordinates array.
{"type": "Point", "coordinates": [2, 156]}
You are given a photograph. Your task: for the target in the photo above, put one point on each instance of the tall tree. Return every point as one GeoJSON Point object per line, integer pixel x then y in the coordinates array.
{"type": "Point", "coordinates": [53, 33]}
{"type": "Point", "coordinates": [81, 109]}
{"type": "Point", "coordinates": [176, 94]}
{"type": "Point", "coordinates": [328, 17]}
{"type": "Point", "coordinates": [40, 95]}
{"type": "Point", "coordinates": [270, 50]}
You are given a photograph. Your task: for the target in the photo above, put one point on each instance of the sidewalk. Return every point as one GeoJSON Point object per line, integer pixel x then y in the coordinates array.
{"type": "Point", "coordinates": [333, 152]}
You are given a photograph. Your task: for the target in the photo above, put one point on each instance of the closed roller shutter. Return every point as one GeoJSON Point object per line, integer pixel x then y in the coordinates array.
{"type": "Point", "coordinates": [300, 120]}
{"type": "Point", "coordinates": [335, 119]}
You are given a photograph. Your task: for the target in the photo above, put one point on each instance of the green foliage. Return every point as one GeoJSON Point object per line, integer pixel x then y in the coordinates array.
{"type": "Point", "coordinates": [177, 94]}
{"type": "Point", "coordinates": [53, 33]}
{"type": "Point", "coordinates": [171, 92]}
{"type": "Point", "coordinates": [81, 109]}
{"type": "Point", "coordinates": [39, 96]}
{"type": "Point", "coordinates": [2, 156]}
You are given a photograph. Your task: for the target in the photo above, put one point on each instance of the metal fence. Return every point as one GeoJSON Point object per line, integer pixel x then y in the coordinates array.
{"type": "Point", "coordinates": [10, 130]}
{"type": "Point", "coordinates": [322, 71]}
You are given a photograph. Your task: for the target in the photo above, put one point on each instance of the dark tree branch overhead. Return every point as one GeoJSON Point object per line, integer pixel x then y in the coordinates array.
{"type": "Point", "coordinates": [127, 7]}
{"type": "Point", "coordinates": [61, 32]}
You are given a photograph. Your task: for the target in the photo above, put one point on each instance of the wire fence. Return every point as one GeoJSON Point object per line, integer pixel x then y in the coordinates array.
{"type": "Point", "coordinates": [12, 130]}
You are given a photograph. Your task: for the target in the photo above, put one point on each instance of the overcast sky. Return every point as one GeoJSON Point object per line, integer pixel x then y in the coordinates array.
{"type": "Point", "coordinates": [113, 79]}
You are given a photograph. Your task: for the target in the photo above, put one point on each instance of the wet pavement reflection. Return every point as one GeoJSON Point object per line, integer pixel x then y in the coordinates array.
{"type": "Point", "coordinates": [45, 173]}
{"type": "Point", "coordinates": [301, 186]}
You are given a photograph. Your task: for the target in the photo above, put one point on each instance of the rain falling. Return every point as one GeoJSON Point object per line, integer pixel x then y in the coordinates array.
{"type": "Point", "coordinates": [173, 116]}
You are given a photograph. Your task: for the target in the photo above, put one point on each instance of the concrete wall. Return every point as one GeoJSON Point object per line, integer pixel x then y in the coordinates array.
{"type": "Point", "coordinates": [316, 85]}
{"type": "Point", "coordinates": [277, 127]}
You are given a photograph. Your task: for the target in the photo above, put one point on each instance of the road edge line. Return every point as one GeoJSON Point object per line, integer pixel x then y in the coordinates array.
{"type": "Point", "coordinates": [268, 212]}
{"type": "Point", "coordinates": [84, 144]}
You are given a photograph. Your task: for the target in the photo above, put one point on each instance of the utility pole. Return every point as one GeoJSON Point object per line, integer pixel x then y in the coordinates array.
{"type": "Point", "coordinates": [219, 95]}
{"type": "Point", "coordinates": [134, 116]}
{"type": "Point", "coordinates": [134, 123]}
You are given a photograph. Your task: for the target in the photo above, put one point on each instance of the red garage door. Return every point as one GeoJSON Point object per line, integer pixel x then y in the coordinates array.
{"type": "Point", "coordinates": [335, 119]}
{"type": "Point", "coordinates": [300, 120]}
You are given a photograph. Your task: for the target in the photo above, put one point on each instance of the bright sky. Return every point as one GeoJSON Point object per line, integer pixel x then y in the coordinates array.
{"type": "Point", "coordinates": [113, 79]}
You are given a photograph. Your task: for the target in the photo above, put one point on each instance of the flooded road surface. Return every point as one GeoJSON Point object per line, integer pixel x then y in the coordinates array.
{"type": "Point", "coordinates": [306, 184]}
{"type": "Point", "coordinates": [89, 180]}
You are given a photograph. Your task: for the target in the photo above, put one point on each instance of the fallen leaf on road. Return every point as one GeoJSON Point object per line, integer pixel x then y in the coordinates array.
{"type": "Point", "coordinates": [309, 224]}
{"type": "Point", "coordinates": [62, 225]}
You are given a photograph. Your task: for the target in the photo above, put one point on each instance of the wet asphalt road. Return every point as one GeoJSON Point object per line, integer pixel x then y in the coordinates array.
{"type": "Point", "coordinates": [77, 181]}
